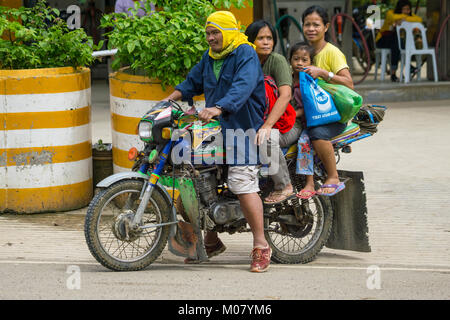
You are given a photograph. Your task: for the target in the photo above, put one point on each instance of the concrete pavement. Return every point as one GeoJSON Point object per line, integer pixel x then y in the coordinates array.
{"type": "Point", "coordinates": [406, 167]}
{"type": "Point", "coordinates": [220, 282]}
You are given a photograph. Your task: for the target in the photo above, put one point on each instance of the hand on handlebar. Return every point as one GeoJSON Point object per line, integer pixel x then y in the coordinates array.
{"type": "Point", "coordinates": [208, 113]}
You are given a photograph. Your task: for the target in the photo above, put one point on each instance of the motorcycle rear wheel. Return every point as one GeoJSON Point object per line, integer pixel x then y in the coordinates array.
{"type": "Point", "coordinates": [105, 227]}
{"type": "Point", "coordinates": [293, 244]}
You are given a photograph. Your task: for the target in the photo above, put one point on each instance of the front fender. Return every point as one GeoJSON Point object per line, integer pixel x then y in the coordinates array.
{"type": "Point", "coordinates": [105, 183]}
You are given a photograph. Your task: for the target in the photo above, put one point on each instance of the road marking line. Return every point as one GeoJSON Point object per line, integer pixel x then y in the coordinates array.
{"type": "Point", "coordinates": [272, 266]}
{"type": "Point", "coordinates": [47, 262]}
{"type": "Point", "coordinates": [365, 268]}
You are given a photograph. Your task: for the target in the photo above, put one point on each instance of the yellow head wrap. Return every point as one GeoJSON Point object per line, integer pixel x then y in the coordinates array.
{"type": "Point", "coordinates": [226, 23]}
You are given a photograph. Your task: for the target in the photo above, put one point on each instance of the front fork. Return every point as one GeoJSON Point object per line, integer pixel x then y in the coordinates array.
{"type": "Point", "coordinates": [149, 187]}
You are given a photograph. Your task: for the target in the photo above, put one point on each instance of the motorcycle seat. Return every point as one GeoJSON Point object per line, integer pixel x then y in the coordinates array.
{"type": "Point", "coordinates": [350, 131]}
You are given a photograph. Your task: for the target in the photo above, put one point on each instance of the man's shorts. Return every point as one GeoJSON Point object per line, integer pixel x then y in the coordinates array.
{"type": "Point", "coordinates": [243, 179]}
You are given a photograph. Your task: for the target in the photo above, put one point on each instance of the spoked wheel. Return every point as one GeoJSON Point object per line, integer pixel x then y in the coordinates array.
{"type": "Point", "coordinates": [298, 238]}
{"type": "Point", "coordinates": [359, 53]}
{"type": "Point", "coordinates": [107, 227]}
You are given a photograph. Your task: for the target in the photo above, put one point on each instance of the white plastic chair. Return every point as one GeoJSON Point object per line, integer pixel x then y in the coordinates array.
{"type": "Point", "coordinates": [382, 53]}
{"type": "Point", "coordinates": [410, 50]}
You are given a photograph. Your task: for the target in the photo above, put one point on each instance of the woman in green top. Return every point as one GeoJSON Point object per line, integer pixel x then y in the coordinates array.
{"type": "Point", "coordinates": [262, 34]}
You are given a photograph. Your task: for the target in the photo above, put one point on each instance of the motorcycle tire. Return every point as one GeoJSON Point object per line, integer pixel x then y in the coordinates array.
{"type": "Point", "coordinates": [111, 199]}
{"type": "Point", "coordinates": [359, 54]}
{"type": "Point", "coordinates": [279, 235]}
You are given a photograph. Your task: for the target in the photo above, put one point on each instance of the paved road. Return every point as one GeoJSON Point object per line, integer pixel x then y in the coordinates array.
{"type": "Point", "coordinates": [220, 282]}
{"type": "Point", "coordinates": [406, 170]}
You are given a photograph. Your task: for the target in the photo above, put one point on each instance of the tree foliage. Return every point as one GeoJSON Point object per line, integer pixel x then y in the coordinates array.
{"type": "Point", "coordinates": [38, 38]}
{"type": "Point", "coordinates": [165, 44]}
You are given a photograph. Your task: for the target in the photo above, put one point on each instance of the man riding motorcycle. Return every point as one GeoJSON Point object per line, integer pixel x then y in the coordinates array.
{"type": "Point", "coordinates": [132, 217]}
{"type": "Point", "coordinates": [230, 77]}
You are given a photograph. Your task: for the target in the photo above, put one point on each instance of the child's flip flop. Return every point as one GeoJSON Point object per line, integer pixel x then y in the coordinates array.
{"type": "Point", "coordinates": [337, 188]}
{"type": "Point", "coordinates": [309, 194]}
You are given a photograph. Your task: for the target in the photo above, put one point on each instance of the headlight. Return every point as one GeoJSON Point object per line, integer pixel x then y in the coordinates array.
{"type": "Point", "coordinates": [145, 130]}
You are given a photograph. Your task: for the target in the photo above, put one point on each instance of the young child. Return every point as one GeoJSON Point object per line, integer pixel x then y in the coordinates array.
{"type": "Point", "coordinates": [302, 56]}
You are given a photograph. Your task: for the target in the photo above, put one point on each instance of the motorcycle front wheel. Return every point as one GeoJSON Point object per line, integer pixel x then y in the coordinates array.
{"type": "Point", "coordinates": [107, 231]}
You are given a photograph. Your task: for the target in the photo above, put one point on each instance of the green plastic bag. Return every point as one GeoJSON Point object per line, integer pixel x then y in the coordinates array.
{"type": "Point", "coordinates": [346, 100]}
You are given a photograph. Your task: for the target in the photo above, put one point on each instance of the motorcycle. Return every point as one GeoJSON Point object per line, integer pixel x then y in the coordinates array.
{"type": "Point", "coordinates": [360, 16]}
{"type": "Point", "coordinates": [135, 214]}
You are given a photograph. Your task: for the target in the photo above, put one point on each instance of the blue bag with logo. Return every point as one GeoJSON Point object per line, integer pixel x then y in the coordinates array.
{"type": "Point", "coordinates": [318, 105]}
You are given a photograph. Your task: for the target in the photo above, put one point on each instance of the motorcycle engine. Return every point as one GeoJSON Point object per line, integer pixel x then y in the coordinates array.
{"type": "Point", "coordinates": [226, 212]}
{"type": "Point", "coordinates": [220, 211]}
{"type": "Point", "coordinates": [207, 184]}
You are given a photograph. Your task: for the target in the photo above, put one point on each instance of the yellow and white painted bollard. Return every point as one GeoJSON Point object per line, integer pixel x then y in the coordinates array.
{"type": "Point", "coordinates": [131, 96]}
{"type": "Point", "coordinates": [45, 139]}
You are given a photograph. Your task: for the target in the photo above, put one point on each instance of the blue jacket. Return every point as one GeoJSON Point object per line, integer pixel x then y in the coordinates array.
{"type": "Point", "coordinates": [239, 92]}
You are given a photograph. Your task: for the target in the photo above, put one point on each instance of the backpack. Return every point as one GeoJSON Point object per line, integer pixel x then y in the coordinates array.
{"type": "Point", "coordinates": [368, 118]}
{"type": "Point", "coordinates": [287, 119]}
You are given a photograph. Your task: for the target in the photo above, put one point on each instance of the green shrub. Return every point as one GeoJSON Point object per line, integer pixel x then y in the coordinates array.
{"type": "Point", "coordinates": [165, 44]}
{"type": "Point", "coordinates": [38, 38]}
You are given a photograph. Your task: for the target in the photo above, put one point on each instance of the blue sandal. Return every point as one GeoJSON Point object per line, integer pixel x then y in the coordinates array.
{"type": "Point", "coordinates": [337, 188]}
